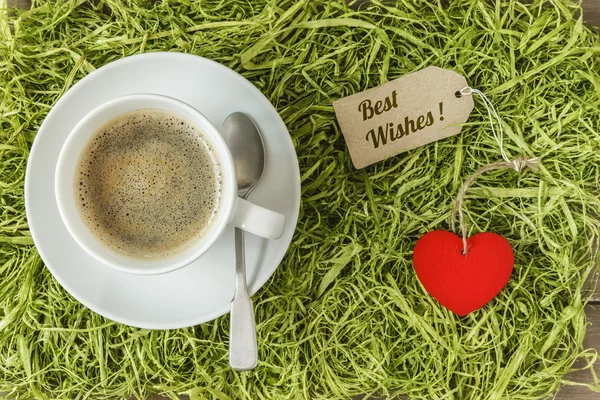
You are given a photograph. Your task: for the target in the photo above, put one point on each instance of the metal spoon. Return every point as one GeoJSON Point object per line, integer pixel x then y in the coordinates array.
{"type": "Point", "coordinates": [248, 151]}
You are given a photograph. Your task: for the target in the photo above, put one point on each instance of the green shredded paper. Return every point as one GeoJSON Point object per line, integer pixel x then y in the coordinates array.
{"type": "Point", "coordinates": [344, 315]}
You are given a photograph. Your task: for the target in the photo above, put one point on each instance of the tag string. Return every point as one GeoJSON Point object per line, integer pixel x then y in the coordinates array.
{"type": "Point", "coordinates": [517, 164]}
{"type": "Point", "coordinates": [492, 113]}
{"type": "Point", "coordinates": [521, 163]}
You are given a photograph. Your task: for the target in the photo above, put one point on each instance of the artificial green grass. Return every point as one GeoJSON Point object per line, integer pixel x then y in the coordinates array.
{"type": "Point", "coordinates": [344, 314]}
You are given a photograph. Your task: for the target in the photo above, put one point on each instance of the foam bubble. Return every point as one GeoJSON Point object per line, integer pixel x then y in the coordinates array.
{"type": "Point", "coordinates": [148, 184]}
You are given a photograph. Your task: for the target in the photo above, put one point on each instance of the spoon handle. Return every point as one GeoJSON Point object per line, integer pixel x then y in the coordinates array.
{"type": "Point", "coordinates": [243, 352]}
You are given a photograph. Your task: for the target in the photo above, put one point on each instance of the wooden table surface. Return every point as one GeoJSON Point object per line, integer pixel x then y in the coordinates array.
{"type": "Point", "coordinates": [591, 14]}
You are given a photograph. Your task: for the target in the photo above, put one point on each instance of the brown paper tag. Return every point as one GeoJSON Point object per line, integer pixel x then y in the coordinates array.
{"type": "Point", "coordinates": [403, 114]}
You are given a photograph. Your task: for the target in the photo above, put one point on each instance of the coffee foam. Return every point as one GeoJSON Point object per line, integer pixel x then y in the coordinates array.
{"type": "Point", "coordinates": [148, 184]}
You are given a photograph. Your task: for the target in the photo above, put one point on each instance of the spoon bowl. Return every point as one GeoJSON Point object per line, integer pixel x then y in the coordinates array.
{"type": "Point", "coordinates": [247, 148]}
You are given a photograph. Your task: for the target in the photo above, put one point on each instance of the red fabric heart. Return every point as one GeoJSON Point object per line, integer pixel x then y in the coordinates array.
{"type": "Point", "coordinates": [463, 283]}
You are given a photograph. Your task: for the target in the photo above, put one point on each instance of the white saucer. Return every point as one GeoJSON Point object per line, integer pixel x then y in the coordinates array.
{"type": "Point", "coordinates": [203, 290]}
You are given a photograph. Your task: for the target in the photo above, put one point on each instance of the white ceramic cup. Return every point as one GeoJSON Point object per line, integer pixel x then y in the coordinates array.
{"type": "Point", "coordinates": [232, 210]}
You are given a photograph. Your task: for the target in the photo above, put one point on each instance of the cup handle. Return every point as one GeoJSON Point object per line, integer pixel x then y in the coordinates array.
{"type": "Point", "coordinates": [258, 220]}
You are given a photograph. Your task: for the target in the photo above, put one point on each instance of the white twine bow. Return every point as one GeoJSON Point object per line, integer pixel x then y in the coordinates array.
{"type": "Point", "coordinates": [498, 136]}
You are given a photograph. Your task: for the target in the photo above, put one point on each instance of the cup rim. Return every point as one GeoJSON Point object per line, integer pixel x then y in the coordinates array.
{"type": "Point", "coordinates": [73, 224]}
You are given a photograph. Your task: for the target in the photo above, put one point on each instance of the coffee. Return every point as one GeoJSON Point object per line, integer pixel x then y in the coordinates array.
{"type": "Point", "coordinates": [148, 184]}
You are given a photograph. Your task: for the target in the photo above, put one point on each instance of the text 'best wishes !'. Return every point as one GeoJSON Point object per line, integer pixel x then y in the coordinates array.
{"type": "Point", "coordinates": [408, 112]}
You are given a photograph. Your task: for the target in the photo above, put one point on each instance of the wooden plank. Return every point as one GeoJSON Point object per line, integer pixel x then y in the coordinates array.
{"type": "Point", "coordinates": [24, 4]}
{"type": "Point", "coordinates": [592, 340]}
{"type": "Point", "coordinates": [595, 296]}
{"type": "Point", "coordinates": [591, 14]}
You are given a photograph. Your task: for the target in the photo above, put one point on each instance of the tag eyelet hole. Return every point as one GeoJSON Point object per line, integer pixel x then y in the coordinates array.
{"type": "Point", "coordinates": [458, 94]}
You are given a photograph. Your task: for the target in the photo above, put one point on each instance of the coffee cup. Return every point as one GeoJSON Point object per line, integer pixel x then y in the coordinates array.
{"type": "Point", "coordinates": [231, 210]}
